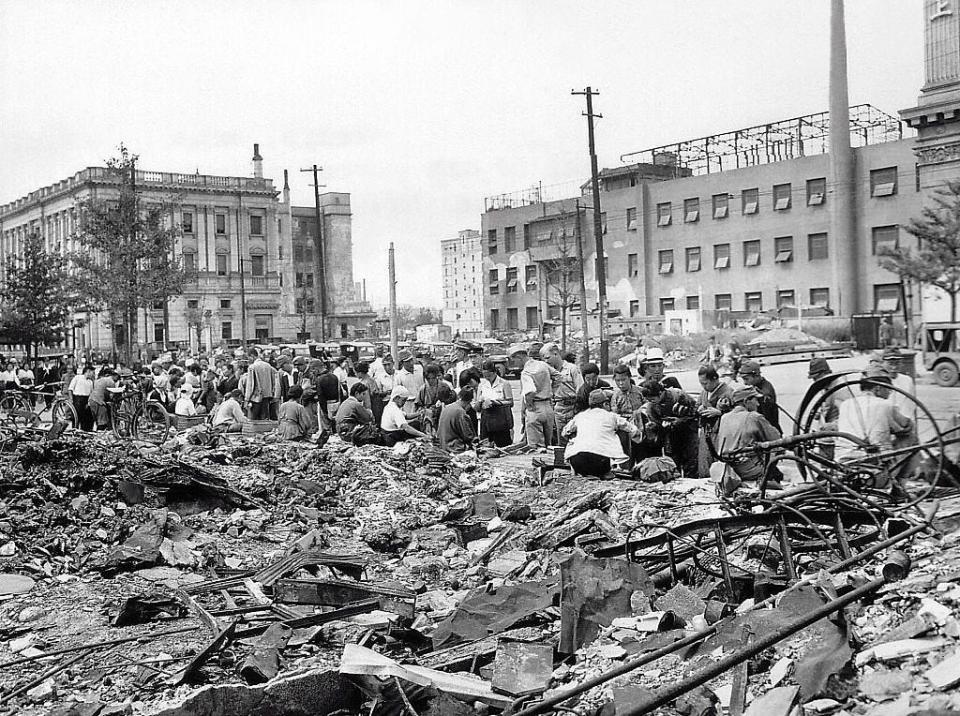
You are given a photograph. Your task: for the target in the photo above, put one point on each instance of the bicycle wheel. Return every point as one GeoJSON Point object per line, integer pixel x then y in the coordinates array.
{"type": "Point", "coordinates": [16, 410]}
{"type": "Point", "coordinates": [62, 411]}
{"type": "Point", "coordinates": [151, 422]}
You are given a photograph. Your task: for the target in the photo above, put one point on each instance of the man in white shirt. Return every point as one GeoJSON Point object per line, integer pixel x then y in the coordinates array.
{"type": "Point", "coordinates": [79, 391]}
{"type": "Point", "coordinates": [593, 441]}
{"type": "Point", "coordinates": [394, 423]}
{"type": "Point", "coordinates": [870, 416]}
{"type": "Point", "coordinates": [185, 406]}
{"type": "Point", "coordinates": [537, 391]}
{"type": "Point", "coordinates": [410, 376]}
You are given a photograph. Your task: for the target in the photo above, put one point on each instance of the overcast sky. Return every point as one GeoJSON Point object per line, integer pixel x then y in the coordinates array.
{"type": "Point", "coordinates": [418, 109]}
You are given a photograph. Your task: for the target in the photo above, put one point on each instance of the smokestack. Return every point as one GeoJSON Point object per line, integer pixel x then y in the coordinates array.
{"type": "Point", "coordinates": [843, 225]}
{"type": "Point", "coordinates": [286, 187]}
{"type": "Point", "coordinates": [257, 162]}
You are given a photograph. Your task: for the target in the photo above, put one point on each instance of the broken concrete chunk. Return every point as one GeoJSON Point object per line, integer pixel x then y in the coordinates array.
{"type": "Point", "coordinates": [681, 601]}
{"type": "Point", "coordinates": [945, 674]}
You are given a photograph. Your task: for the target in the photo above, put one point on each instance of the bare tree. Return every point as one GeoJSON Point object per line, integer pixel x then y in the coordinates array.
{"type": "Point", "coordinates": [562, 272]}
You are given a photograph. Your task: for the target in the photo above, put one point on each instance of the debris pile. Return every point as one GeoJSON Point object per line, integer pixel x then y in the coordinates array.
{"type": "Point", "coordinates": [263, 577]}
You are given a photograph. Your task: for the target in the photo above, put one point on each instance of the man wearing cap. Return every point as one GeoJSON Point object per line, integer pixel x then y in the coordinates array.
{"type": "Point", "coordinates": [741, 428]}
{"type": "Point", "coordinates": [652, 367]}
{"type": "Point", "coordinates": [394, 422]}
{"type": "Point", "coordinates": [285, 379]}
{"type": "Point", "coordinates": [870, 416]}
{"type": "Point", "coordinates": [892, 363]}
{"type": "Point", "coordinates": [184, 406]}
{"type": "Point", "coordinates": [410, 376]}
{"type": "Point", "coordinates": [537, 391]}
{"type": "Point", "coordinates": [750, 375]}
{"type": "Point", "coordinates": [593, 441]}
{"type": "Point", "coordinates": [463, 362]}
{"type": "Point", "coordinates": [566, 380]}
{"type": "Point", "coordinates": [819, 372]}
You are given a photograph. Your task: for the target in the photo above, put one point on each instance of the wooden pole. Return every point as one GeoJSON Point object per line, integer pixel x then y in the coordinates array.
{"type": "Point", "coordinates": [393, 306]}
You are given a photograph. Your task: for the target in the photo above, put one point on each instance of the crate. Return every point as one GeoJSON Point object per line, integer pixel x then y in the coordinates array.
{"type": "Point", "coordinates": [256, 427]}
{"type": "Point", "coordinates": [185, 422]}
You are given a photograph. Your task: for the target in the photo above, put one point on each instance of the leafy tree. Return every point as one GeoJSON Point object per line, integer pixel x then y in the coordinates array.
{"type": "Point", "coordinates": [36, 303]}
{"type": "Point", "coordinates": [936, 261]}
{"type": "Point", "coordinates": [127, 260]}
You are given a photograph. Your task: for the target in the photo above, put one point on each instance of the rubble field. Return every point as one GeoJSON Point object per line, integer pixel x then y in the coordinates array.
{"type": "Point", "coordinates": [264, 577]}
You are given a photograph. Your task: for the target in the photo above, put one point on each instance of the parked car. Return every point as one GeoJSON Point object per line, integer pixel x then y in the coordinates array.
{"type": "Point", "coordinates": [941, 352]}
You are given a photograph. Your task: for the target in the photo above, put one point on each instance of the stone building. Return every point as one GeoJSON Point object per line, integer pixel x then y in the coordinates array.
{"type": "Point", "coordinates": [463, 284]}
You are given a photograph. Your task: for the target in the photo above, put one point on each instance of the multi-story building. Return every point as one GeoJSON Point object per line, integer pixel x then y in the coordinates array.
{"type": "Point", "coordinates": [463, 284]}
{"type": "Point", "coordinates": [238, 243]}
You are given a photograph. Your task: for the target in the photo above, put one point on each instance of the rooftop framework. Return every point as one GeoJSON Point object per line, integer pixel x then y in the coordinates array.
{"type": "Point", "coordinates": [767, 143]}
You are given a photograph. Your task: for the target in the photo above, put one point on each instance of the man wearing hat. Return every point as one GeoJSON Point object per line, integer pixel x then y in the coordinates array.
{"type": "Point", "coordinates": [741, 428]}
{"type": "Point", "coordinates": [394, 423]}
{"type": "Point", "coordinates": [410, 376]}
{"type": "Point", "coordinates": [870, 416]}
{"type": "Point", "coordinates": [893, 363]}
{"type": "Point", "coordinates": [652, 367]}
{"type": "Point", "coordinates": [820, 373]}
{"type": "Point", "coordinates": [750, 375]}
{"type": "Point", "coordinates": [594, 443]}
{"type": "Point", "coordinates": [536, 387]}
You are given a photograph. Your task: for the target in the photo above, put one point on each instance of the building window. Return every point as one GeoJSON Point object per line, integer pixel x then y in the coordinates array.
{"type": "Point", "coordinates": [193, 303]}
{"type": "Point", "coordinates": [723, 301]}
{"type": "Point", "coordinates": [693, 258]}
{"type": "Point", "coordinates": [816, 191]}
{"type": "Point", "coordinates": [226, 330]}
{"type": "Point", "coordinates": [783, 249]}
{"type": "Point", "coordinates": [721, 256]}
{"type": "Point", "coordinates": [693, 303]}
{"type": "Point", "coordinates": [512, 280]}
{"type": "Point", "coordinates": [721, 206]}
{"type": "Point", "coordinates": [492, 241]}
{"type": "Point", "coordinates": [222, 264]}
{"type": "Point", "coordinates": [256, 265]}
{"type": "Point", "coordinates": [883, 182]}
{"type": "Point", "coordinates": [308, 254]}
{"type": "Point", "coordinates": [157, 305]}
{"type": "Point", "coordinates": [634, 309]}
{"type": "Point", "coordinates": [187, 223]}
{"type": "Point", "coordinates": [817, 247]}
{"type": "Point", "coordinates": [256, 225]}
{"type": "Point", "coordinates": [753, 301]}
{"type": "Point", "coordinates": [308, 280]}
{"type": "Point", "coordinates": [786, 299]}
{"type": "Point", "coordinates": [513, 319]}
{"type": "Point", "coordinates": [886, 297]}
{"type": "Point", "coordinates": [782, 194]}
{"type": "Point", "coordinates": [298, 280]}
{"type": "Point", "coordinates": [221, 223]}
{"type": "Point", "coordinates": [531, 277]}
{"type": "Point", "coordinates": [664, 214]}
{"type": "Point", "coordinates": [494, 319]}
{"type": "Point", "coordinates": [603, 223]}
{"type": "Point", "coordinates": [158, 333]}
{"type": "Point", "coordinates": [820, 297]}
{"type": "Point", "coordinates": [666, 261]}
{"type": "Point", "coordinates": [189, 263]}
{"type": "Point", "coordinates": [225, 303]}
{"type": "Point", "coordinates": [666, 304]}
{"type": "Point", "coordinates": [509, 238]}
{"type": "Point", "coordinates": [750, 201]}
{"type": "Point", "coordinates": [633, 265]}
{"type": "Point", "coordinates": [631, 218]}
{"type": "Point", "coordinates": [691, 210]}
{"type": "Point", "coordinates": [751, 252]}
{"type": "Point", "coordinates": [533, 317]}
{"type": "Point", "coordinates": [526, 236]}
{"type": "Point", "coordinates": [494, 282]}
{"type": "Point", "coordinates": [885, 237]}
{"type": "Point", "coordinates": [298, 254]}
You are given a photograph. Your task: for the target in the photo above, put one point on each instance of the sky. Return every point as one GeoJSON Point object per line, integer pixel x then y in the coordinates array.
{"type": "Point", "coordinates": [418, 109]}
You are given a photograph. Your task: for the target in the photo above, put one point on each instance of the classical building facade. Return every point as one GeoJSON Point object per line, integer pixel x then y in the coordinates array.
{"type": "Point", "coordinates": [461, 259]}
{"type": "Point", "coordinates": [246, 251]}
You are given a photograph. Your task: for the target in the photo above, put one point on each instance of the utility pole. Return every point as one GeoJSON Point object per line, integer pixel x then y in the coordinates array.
{"type": "Point", "coordinates": [597, 230]}
{"type": "Point", "coordinates": [319, 259]}
{"type": "Point", "coordinates": [584, 323]}
{"type": "Point", "coordinates": [393, 306]}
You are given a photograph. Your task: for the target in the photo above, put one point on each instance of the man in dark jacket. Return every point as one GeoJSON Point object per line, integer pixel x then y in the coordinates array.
{"type": "Point", "coordinates": [750, 374]}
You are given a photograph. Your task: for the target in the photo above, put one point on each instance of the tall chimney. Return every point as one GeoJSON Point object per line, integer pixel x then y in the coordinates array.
{"type": "Point", "coordinates": [257, 162]}
{"type": "Point", "coordinates": [842, 204]}
{"type": "Point", "coordinates": [286, 187]}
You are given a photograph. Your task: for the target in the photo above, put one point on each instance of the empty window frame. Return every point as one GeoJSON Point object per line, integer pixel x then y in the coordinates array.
{"type": "Point", "coordinates": [187, 223]}
{"type": "Point", "coordinates": [721, 256]}
{"type": "Point", "coordinates": [886, 297]}
{"type": "Point", "coordinates": [492, 241]}
{"type": "Point", "coordinates": [666, 261]}
{"type": "Point", "coordinates": [693, 258]}
{"type": "Point", "coordinates": [753, 301]}
{"type": "Point", "coordinates": [667, 304]}
{"type": "Point", "coordinates": [509, 238]}
{"type": "Point", "coordinates": [693, 303]}
{"type": "Point", "coordinates": [633, 265]}
{"type": "Point", "coordinates": [664, 214]}
{"type": "Point", "coordinates": [494, 319]}
{"type": "Point", "coordinates": [220, 222]}
{"type": "Point", "coordinates": [751, 252]}
{"type": "Point", "coordinates": [222, 264]}
{"type": "Point", "coordinates": [750, 201]}
{"type": "Point", "coordinates": [225, 303]}
{"type": "Point", "coordinates": [723, 301]}
{"type": "Point", "coordinates": [816, 191]}
{"type": "Point", "coordinates": [634, 309]}
{"type": "Point", "coordinates": [721, 206]}
{"type": "Point", "coordinates": [513, 319]}
{"type": "Point", "coordinates": [817, 247]}
{"type": "Point", "coordinates": [786, 298]}
{"type": "Point", "coordinates": [532, 317]}
{"type": "Point", "coordinates": [883, 182]}
{"type": "Point", "coordinates": [691, 210]}
{"type": "Point", "coordinates": [885, 237]}
{"type": "Point", "coordinates": [783, 249]}
{"type": "Point", "coordinates": [820, 297]}
{"type": "Point", "coordinates": [189, 262]}
{"type": "Point", "coordinates": [631, 218]}
{"type": "Point", "coordinates": [526, 236]}
{"type": "Point", "coordinates": [256, 225]}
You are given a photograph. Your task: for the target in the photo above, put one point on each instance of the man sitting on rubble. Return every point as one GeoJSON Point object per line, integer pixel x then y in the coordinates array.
{"type": "Point", "coordinates": [295, 423]}
{"type": "Point", "coordinates": [396, 428]}
{"type": "Point", "coordinates": [230, 415]}
{"type": "Point", "coordinates": [355, 420]}
{"type": "Point", "coordinates": [870, 416]}
{"type": "Point", "coordinates": [185, 406]}
{"type": "Point", "coordinates": [455, 429]}
{"type": "Point", "coordinates": [593, 444]}
{"type": "Point", "coordinates": [742, 428]}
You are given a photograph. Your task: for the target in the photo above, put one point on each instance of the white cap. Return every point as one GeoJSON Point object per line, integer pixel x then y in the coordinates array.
{"type": "Point", "coordinates": [653, 354]}
{"type": "Point", "coordinates": [399, 392]}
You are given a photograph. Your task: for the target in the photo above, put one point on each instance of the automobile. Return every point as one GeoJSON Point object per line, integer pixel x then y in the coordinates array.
{"type": "Point", "coordinates": [493, 350]}
{"type": "Point", "coordinates": [358, 351]}
{"type": "Point", "coordinates": [941, 352]}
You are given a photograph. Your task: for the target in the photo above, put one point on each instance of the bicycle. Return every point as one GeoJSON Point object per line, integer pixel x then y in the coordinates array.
{"type": "Point", "coordinates": [133, 416]}
{"type": "Point", "coordinates": [17, 407]}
